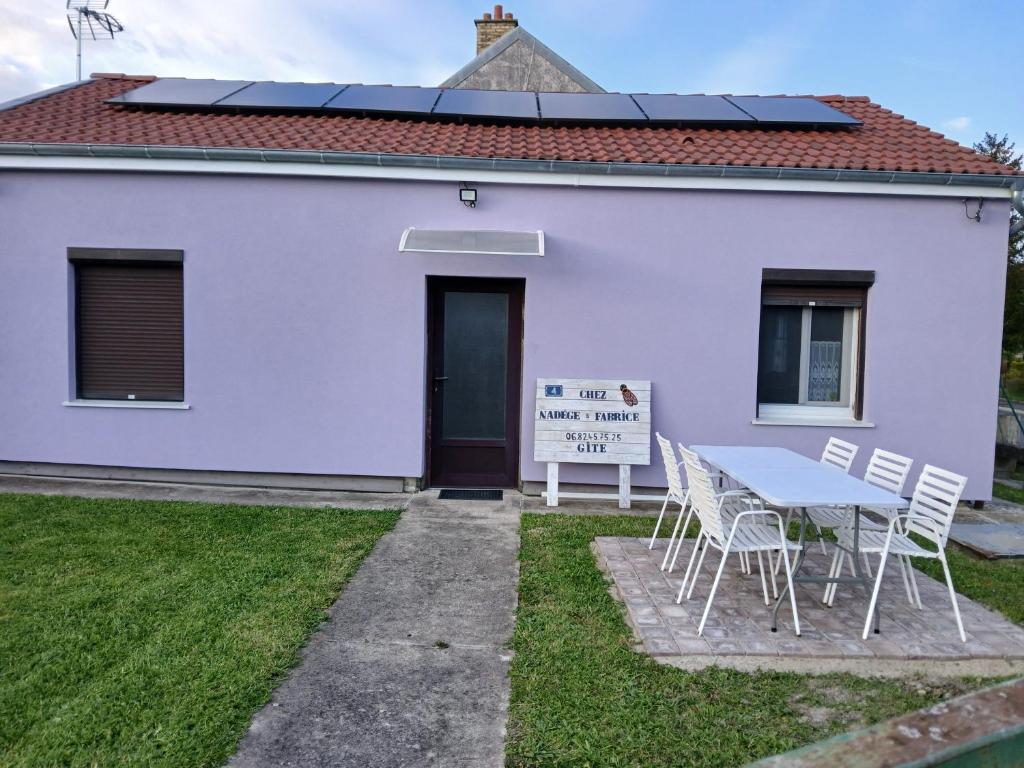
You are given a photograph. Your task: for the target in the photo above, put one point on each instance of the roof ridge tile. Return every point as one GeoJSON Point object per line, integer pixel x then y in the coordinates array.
{"type": "Point", "coordinates": [122, 76]}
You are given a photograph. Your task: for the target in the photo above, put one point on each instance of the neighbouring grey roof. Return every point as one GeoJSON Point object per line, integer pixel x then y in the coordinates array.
{"type": "Point", "coordinates": [40, 95]}
{"type": "Point", "coordinates": [518, 61]}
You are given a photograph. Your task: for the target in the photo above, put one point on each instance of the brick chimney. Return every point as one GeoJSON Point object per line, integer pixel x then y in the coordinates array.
{"type": "Point", "coordinates": [490, 28]}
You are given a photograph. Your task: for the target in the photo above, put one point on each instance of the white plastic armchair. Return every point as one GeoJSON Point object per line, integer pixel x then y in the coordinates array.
{"type": "Point", "coordinates": [930, 516]}
{"type": "Point", "coordinates": [839, 454]}
{"type": "Point", "coordinates": [733, 522]}
{"type": "Point", "coordinates": [680, 495]}
{"type": "Point", "coordinates": [889, 471]}
{"type": "Point", "coordinates": [676, 493]}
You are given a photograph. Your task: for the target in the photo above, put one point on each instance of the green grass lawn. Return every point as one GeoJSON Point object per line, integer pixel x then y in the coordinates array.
{"type": "Point", "coordinates": [148, 633]}
{"type": "Point", "coordinates": [581, 696]}
{"type": "Point", "coordinates": [1007, 493]}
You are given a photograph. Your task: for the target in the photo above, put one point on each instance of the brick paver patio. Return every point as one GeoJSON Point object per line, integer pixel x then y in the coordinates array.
{"type": "Point", "coordinates": [739, 623]}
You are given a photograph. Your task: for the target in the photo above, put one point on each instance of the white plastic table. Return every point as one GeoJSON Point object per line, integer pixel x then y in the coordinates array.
{"type": "Point", "coordinates": [789, 480]}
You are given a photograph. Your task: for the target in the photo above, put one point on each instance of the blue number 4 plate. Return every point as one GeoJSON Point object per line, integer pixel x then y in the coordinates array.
{"type": "Point", "coordinates": [552, 390]}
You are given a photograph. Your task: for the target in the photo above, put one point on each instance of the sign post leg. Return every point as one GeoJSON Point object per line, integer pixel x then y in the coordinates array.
{"type": "Point", "coordinates": [552, 484]}
{"type": "Point", "coordinates": [624, 486]}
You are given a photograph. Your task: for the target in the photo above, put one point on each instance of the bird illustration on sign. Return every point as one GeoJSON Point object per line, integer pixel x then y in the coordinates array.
{"type": "Point", "coordinates": [628, 396]}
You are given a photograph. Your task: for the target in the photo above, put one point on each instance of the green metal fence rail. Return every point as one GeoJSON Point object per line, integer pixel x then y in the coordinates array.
{"type": "Point", "coordinates": [985, 728]}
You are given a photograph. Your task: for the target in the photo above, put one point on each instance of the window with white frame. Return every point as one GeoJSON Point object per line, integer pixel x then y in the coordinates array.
{"type": "Point", "coordinates": [810, 361]}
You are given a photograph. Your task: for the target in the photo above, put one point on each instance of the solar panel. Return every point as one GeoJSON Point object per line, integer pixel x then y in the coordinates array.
{"type": "Point", "coordinates": [178, 91]}
{"type": "Point", "coordinates": [791, 109]}
{"type": "Point", "coordinates": [690, 109]}
{"type": "Point", "coordinates": [511, 104]}
{"type": "Point", "coordinates": [385, 98]}
{"type": "Point", "coordinates": [283, 95]}
{"type": "Point", "coordinates": [589, 106]}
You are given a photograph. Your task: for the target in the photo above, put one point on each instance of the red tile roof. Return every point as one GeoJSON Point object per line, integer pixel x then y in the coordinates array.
{"type": "Point", "coordinates": [886, 141]}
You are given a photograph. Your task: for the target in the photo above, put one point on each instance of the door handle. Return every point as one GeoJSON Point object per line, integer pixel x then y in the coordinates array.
{"type": "Point", "coordinates": [440, 378]}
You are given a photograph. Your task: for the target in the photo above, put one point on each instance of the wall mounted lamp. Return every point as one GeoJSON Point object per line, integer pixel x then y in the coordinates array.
{"type": "Point", "coordinates": [468, 196]}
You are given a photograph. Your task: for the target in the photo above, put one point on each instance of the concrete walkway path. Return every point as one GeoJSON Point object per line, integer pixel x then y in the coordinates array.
{"type": "Point", "coordinates": [411, 668]}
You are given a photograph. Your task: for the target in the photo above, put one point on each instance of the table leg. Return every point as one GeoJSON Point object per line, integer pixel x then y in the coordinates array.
{"type": "Point", "coordinates": [795, 570]}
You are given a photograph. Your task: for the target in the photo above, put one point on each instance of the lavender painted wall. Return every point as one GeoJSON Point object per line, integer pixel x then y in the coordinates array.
{"type": "Point", "coordinates": [298, 283]}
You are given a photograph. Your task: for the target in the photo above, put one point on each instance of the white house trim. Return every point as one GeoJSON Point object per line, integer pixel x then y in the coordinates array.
{"type": "Point", "coordinates": [160, 405]}
{"type": "Point", "coordinates": [329, 169]}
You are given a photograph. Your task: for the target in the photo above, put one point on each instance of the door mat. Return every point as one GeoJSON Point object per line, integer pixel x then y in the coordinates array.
{"type": "Point", "coordinates": [472, 494]}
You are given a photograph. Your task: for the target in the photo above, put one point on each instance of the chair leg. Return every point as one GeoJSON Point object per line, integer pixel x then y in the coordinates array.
{"type": "Point", "coordinates": [867, 564]}
{"type": "Point", "coordinates": [952, 596]}
{"type": "Point", "coordinates": [689, 565]}
{"type": "Point", "coordinates": [679, 541]}
{"type": "Point", "coordinates": [839, 572]}
{"type": "Point", "coordinates": [874, 592]}
{"type": "Point", "coordinates": [906, 581]}
{"type": "Point", "coordinates": [913, 584]}
{"type": "Point", "coordinates": [792, 591]}
{"type": "Point", "coordinates": [657, 525]}
{"type": "Point", "coordinates": [821, 540]}
{"type": "Point", "coordinates": [847, 559]}
{"type": "Point", "coordinates": [771, 575]}
{"type": "Point", "coordinates": [764, 583]}
{"type": "Point", "coordinates": [785, 527]}
{"type": "Point", "coordinates": [714, 588]}
{"type": "Point", "coordinates": [831, 575]}
{"type": "Point", "coordinates": [676, 532]}
{"type": "Point", "coordinates": [700, 562]}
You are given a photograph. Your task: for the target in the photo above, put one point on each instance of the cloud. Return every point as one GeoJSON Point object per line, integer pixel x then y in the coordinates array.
{"type": "Point", "coordinates": [759, 65]}
{"type": "Point", "coordinates": [769, 61]}
{"type": "Point", "coordinates": [957, 124]}
{"type": "Point", "coordinates": [308, 40]}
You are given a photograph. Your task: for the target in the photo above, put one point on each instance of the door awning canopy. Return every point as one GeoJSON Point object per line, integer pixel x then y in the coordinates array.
{"type": "Point", "coordinates": [494, 242]}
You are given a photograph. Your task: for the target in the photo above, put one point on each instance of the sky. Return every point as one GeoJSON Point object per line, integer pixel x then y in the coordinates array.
{"type": "Point", "coordinates": [946, 63]}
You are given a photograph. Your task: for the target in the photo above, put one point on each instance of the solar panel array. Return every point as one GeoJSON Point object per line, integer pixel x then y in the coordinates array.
{"type": "Point", "coordinates": [624, 108]}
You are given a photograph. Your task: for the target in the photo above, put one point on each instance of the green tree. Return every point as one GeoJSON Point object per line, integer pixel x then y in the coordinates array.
{"type": "Point", "coordinates": [1002, 151]}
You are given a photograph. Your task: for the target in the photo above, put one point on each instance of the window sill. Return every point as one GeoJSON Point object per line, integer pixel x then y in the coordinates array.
{"type": "Point", "coordinates": [796, 421]}
{"type": "Point", "coordinates": [144, 404]}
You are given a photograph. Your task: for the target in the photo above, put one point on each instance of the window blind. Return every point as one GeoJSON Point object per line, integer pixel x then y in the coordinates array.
{"type": "Point", "coordinates": [819, 295]}
{"type": "Point", "coordinates": [129, 330]}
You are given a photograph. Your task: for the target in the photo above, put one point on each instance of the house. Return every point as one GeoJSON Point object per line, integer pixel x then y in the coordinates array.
{"type": "Point", "coordinates": [511, 59]}
{"type": "Point", "coordinates": [358, 287]}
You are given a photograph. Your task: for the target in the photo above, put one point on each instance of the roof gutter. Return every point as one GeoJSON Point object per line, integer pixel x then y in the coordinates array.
{"type": "Point", "coordinates": [641, 174]}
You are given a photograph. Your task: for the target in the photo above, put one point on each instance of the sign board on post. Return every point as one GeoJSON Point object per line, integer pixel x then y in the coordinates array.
{"type": "Point", "coordinates": [592, 421]}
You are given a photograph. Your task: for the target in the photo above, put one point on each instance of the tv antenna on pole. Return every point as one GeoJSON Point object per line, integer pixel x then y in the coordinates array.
{"type": "Point", "coordinates": [89, 19]}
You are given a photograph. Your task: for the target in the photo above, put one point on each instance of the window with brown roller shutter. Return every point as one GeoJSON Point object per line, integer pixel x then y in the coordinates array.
{"type": "Point", "coordinates": [129, 324]}
{"type": "Point", "coordinates": [811, 347]}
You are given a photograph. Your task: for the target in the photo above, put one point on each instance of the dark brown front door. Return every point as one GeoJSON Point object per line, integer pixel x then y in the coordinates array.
{"type": "Point", "coordinates": [475, 347]}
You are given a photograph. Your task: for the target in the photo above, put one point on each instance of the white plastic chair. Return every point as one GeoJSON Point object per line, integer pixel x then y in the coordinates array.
{"type": "Point", "coordinates": [839, 454]}
{"type": "Point", "coordinates": [931, 513]}
{"type": "Point", "coordinates": [680, 495]}
{"type": "Point", "coordinates": [728, 513]}
{"type": "Point", "coordinates": [676, 493]}
{"type": "Point", "coordinates": [888, 471]}
{"type": "Point", "coordinates": [749, 531]}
